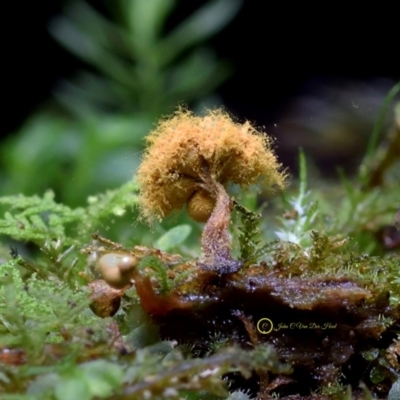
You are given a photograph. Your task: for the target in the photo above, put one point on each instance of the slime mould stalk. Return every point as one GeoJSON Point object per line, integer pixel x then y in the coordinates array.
{"type": "Point", "coordinates": [215, 242]}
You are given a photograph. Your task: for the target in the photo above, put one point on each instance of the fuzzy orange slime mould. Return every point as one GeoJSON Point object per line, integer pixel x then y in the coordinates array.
{"type": "Point", "coordinates": [190, 159]}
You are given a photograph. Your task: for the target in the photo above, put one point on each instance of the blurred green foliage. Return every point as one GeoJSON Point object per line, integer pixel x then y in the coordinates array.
{"type": "Point", "coordinates": [75, 158]}
{"type": "Point", "coordinates": [138, 66]}
{"type": "Point", "coordinates": [137, 70]}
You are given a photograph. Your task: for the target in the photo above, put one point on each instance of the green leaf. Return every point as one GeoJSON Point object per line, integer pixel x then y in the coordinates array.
{"type": "Point", "coordinates": [102, 377]}
{"type": "Point", "coordinates": [145, 18]}
{"type": "Point", "coordinates": [205, 22]}
{"type": "Point", "coordinates": [173, 238]}
{"type": "Point", "coordinates": [84, 46]}
{"type": "Point", "coordinates": [199, 73]}
{"type": "Point", "coordinates": [72, 388]}
{"type": "Point", "coordinates": [374, 138]}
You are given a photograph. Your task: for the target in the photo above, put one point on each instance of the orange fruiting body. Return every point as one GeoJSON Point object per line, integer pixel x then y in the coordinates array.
{"type": "Point", "coordinates": [190, 160]}
{"type": "Point", "coordinates": [184, 148]}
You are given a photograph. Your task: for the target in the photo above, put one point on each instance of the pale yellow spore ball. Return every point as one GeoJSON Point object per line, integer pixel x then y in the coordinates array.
{"type": "Point", "coordinates": [116, 269]}
{"type": "Point", "coordinates": [200, 206]}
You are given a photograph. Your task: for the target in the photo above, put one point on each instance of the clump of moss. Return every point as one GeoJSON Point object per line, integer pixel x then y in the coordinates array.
{"type": "Point", "coordinates": [184, 148]}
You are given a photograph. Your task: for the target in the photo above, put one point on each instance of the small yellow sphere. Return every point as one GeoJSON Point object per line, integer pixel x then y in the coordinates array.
{"type": "Point", "coordinates": [200, 206]}
{"type": "Point", "coordinates": [116, 269]}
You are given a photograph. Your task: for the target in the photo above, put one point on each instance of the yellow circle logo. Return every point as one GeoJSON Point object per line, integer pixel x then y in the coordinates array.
{"type": "Point", "coordinates": [265, 326]}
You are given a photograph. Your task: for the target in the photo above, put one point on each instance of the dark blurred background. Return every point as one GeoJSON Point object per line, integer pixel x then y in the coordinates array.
{"type": "Point", "coordinates": [82, 78]}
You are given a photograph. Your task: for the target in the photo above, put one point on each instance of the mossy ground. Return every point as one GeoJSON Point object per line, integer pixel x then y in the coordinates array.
{"type": "Point", "coordinates": [184, 332]}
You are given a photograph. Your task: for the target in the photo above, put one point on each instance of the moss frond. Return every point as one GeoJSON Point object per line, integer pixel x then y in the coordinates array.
{"type": "Point", "coordinates": [37, 218]}
{"type": "Point", "coordinates": [248, 232]}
